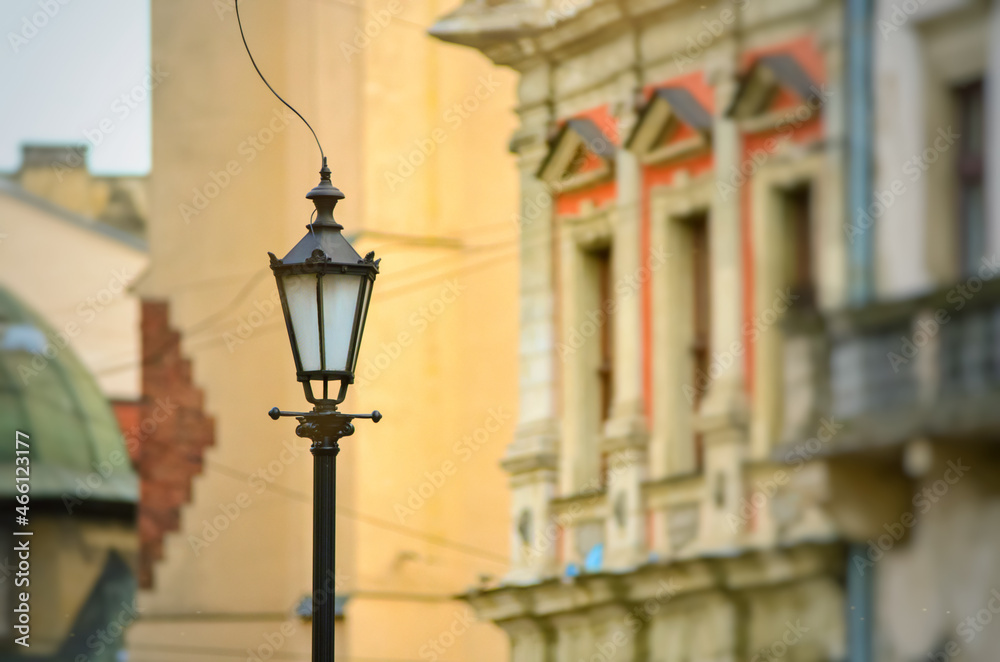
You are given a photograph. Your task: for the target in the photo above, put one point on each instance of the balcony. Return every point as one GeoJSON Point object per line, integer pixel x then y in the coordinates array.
{"type": "Point", "coordinates": [891, 372]}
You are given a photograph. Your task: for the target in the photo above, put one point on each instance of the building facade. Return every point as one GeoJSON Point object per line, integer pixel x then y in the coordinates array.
{"type": "Point", "coordinates": [753, 404]}
{"type": "Point", "coordinates": [54, 203]}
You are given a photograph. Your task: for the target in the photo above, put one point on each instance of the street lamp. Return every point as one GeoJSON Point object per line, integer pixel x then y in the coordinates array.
{"type": "Point", "coordinates": [325, 287]}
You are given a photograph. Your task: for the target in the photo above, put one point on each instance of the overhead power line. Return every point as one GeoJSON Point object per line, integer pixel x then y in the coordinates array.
{"type": "Point", "coordinates": [379, 522]}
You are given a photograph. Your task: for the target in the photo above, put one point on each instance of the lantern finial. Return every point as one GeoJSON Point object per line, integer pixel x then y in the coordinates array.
{"type": "Point", "coordinates": [325, 196]}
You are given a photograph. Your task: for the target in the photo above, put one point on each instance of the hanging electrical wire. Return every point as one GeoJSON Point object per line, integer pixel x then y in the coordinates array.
{"type": "Point", "coordinates": [239, 22]}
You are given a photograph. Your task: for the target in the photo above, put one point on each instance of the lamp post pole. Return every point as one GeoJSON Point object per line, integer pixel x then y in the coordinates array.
{"type": "Point", "coordinates": [325, 426]}
{"type": "Point", "coordinates": [324, 546]}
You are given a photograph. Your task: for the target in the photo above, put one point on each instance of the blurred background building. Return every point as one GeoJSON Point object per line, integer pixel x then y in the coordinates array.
{"type": "Point", "coordinates": [69, 378]}
{"type": "Point", "coordinates": [759, 338]}
{"type": "Point", "coordinates": [225, 516]}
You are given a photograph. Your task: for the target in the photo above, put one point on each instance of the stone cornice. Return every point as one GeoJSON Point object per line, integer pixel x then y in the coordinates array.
{"type": "Point", "coordinates": [535, 447]}
{"type": "Point", "coordinates": [674, 490]}
{"type": "Point", "coordinates": [624, 433]}
{"type": "Point", "coordinates": [521, 35]}
{"type": "Point", "coordinates": [518, 35]}
{"type": "Point", "coordinates": [520, 463]}
{"type": "Point", "coordinates": [747, 570]}
{"type": "Point", "coordinates": [590, 504]}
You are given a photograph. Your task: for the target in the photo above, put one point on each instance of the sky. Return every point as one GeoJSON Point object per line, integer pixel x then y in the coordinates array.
{"type": "Point", "coordinates": [76, 71]}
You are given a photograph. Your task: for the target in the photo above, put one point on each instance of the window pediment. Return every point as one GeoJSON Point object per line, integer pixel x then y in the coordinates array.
{"type": "Point", "coordinates": [771, 78]}
{"type": "Point", "coordinates": [672, 124]}
{"type": "Point", "coordinates": [580, 155]}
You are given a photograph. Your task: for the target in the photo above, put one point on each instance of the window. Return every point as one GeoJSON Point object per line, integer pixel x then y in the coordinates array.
{"type": "Point", "coordinates": [600, 267]}
{"type": "Point", "coordinates": [797, 233]}
{"type": "Point", "coordinates": [605, 371]}
{"type": "Point", "coordinates": [587, 357]}
{"type": "Point", "coordinates": [971, 225]}
{"type": "Point", "coordinates": [700, 315]}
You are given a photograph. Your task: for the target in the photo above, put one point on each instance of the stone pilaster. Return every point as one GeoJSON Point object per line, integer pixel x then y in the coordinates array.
{"type": "Point", "coordinates": [532, 459]}
{"type": "Point", "coordinates": [630, 269]}
{"type": "Point", "coordinates": [625, 433]}
{"type": "Point", "coordinates": [723, 414]}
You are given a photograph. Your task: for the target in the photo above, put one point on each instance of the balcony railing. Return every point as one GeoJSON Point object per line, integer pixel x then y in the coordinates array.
{"type": "Point", "coordinates": [890, 372]}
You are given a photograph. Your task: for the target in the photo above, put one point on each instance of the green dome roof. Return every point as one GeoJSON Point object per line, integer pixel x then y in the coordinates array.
{"type": "Point", "coordinates": [77, 450]}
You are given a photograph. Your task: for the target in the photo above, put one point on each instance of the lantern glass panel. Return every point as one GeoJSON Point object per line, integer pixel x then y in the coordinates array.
{"type": "Point", "coordinates": [300, 293]}
{"type": "Point", "coordinates": [365, 298]}
{"type": "Point", "coordinates": [340, 304]}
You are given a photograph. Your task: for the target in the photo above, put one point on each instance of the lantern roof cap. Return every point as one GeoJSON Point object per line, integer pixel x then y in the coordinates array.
{"type": "Point", "coordinates": [331, 244]}
{"type": "Point", "coordinates": [325, 243]}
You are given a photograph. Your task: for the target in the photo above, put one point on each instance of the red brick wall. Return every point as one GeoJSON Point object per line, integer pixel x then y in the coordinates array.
{"type": "Point", "coordinates": [173, 432]}
{"type": "Point", "coordinates": [129, 415]}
